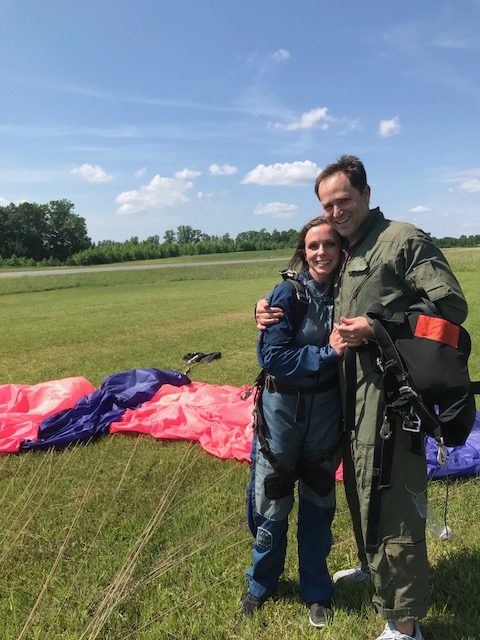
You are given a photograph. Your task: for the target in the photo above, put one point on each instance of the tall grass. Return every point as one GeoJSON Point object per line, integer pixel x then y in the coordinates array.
{"type": "Point", "coordinates": [128, 537]}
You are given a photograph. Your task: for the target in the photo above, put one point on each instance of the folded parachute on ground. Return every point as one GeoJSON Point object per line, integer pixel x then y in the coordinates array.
{"type": "Point", "coordinates": [92, 415]}
{"type": "Point", "coordinates": [23, 407]}
{"type": "Point", "coordinates": [163, 404]}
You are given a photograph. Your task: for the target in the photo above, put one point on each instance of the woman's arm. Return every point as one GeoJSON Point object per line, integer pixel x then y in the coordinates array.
{"type": "Point", "coordinates": [277, 351]}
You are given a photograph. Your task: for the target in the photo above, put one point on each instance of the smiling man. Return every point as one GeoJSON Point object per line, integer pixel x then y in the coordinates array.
{"type": "Point", "coordinates": [397, 265]}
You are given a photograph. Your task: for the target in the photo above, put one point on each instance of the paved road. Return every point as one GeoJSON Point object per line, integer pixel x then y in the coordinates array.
{"type": "Point", "coordinates": [54, 272]}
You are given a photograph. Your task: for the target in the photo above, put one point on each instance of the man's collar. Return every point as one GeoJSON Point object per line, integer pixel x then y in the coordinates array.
{"type": "Point", "coordinates": [373, 216]}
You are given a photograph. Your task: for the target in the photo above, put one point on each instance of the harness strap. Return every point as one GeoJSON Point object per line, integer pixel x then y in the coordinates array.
{"type": "Point", "coordinates": [383, 451]}
{"type": "Point", "coordinates": [350, 388]}
{"type": "Point", "coordinates": [475, 387]}
{"type": "Point", "coordinates": [281, 386]}
{"type": "Point", "coordinates": [260, 430]}
{"type": "Point", "coordinates": [381, 475]}
{"type": "Point", "coordinates": [394, 364]}
{"type": "Point", "coordinates": [259, 426]}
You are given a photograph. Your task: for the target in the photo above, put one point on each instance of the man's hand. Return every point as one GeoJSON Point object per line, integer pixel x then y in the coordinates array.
{"type": "Point", "coordinates": [266, 315]}
{"type": "Point", "coordinates": [355, 331]}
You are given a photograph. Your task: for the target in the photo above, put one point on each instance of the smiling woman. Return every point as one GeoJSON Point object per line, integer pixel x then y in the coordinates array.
{"type": "Point", "coordinates": [322, 253]}
{"type": "Point", "coordinates": [297, 430]}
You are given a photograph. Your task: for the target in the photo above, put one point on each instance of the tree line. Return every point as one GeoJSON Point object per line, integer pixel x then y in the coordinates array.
{"type": "Point", "coordinates": [53, 234]}
{"type": "Point", "coordinates": [33, 233]}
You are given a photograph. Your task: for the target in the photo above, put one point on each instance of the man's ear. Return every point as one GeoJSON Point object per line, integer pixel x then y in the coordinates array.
{"type": "Point", "coordinates": [366, 193]}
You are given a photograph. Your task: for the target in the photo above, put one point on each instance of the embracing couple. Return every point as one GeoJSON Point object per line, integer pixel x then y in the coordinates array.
{"type": "Point", "coordinates": [348, 259]}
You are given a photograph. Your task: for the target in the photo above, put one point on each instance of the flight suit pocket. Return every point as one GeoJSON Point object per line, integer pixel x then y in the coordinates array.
{"type": "Point", "coordinates": [425, 277]}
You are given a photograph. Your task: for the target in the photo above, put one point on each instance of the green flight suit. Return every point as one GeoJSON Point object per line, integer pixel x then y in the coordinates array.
{"type": "Point", "coordinates": [395, 264]}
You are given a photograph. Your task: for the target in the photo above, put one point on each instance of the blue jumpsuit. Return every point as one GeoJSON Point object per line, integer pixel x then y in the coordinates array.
{"type": "Point", "coordinates": [303, 360]}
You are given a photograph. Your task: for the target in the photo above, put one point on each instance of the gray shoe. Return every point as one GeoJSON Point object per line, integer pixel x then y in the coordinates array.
{"type": "Point", "coordinates": [320, 615]}
{"type": "Point", "coordinates": [356, 575]}
{"type": "Point", "coordinates": [250, 604]}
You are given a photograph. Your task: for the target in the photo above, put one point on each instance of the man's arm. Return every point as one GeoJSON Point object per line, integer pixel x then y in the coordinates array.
{"type": "Point", "coordinates": [428, 273]}
{"type": "Point", "coordinates": [265, 315]}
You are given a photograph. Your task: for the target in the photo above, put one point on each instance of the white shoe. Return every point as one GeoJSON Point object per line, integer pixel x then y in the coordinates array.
{"type": "Point", "coordinates": [392, 633]}
{"type": "Point", "coordinates": [355, 575]}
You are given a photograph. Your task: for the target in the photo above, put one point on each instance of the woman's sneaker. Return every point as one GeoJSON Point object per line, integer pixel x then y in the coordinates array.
{"type": "Point", "coordinates": [356, 575]}
{"type": "Point", "coordinates": [250, 604]}
{"type": "Point", "coordinates": [320, 614]}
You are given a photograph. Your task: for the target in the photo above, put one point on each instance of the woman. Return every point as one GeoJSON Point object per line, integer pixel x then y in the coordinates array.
{"type": "Point", "coordinates": [298, 434]}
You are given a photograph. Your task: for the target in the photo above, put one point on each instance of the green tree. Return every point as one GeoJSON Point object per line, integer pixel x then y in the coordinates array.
{"type": "Point", "coordinates": [66, 232]}
{"type": "Point", "coordinates": [188, 235]}
{"type": "Point", "coordinates": [170, 237]}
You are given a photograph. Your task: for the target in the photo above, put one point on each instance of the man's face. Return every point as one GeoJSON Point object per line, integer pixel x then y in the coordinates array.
{"type": "Point", "coordinates": [344, 207]}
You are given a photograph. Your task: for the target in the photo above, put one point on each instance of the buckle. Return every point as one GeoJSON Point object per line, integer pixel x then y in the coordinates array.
{"type": "Point", "coordinates": [411, 422]}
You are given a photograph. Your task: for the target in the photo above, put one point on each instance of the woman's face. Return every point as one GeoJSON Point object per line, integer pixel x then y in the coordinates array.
{"type": "Point", "coordinates": [322, 252]}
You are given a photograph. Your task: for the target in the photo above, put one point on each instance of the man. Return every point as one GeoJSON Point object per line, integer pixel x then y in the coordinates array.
{"type": "Point", "coordinates": [395, 264]}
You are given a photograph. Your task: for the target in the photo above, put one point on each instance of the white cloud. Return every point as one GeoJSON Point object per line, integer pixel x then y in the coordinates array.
{"type": "Point", "coordinates": [140, 172]}
{"type": "Point", "coordinates": [308, 120]}
{"type": "Point", "coordinates": [471, 186]}
{"type": "Point", "coordinates": [449, 41]}
{"type": "Point", "coordinates": [388, 128]}
{"type": "Point", "coordinates": [281, 55]}
{"type": "Point", "coordinates": [92, 173]}
{"type": "Point", "coordinates": [187, 174]}
{"type": "Point", "coordinates": [158, 194]}
{"type": "Point", "coordinates": [276, 209]}
{"type": "Point", "coordinates": [5, 203]}
{"type": "Point", "coordinates": [201, 195]}
{"type": "Point", "coordinates": [467, 180]}
{"type": "Point", "coordinates": [222, 170]}
{"type": "Point", "coordinates": [287, 173]}
{"type": "Point", "coordinates": [420, 209]}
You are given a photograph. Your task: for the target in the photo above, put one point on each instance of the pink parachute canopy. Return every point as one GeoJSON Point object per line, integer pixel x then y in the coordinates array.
{"type": "Point", "coordinates": [23, 407]}
{"type": "Point", "coordinates": [163, 404]}
{"type": "Point", "coordinates": [213, 415]}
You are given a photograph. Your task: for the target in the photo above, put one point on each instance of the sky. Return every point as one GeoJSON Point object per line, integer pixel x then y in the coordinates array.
{"type": "Point", "coordinates": [219, 114]}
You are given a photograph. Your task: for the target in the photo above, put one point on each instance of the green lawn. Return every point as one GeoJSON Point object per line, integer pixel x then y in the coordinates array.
{"type": "Point", "coordinates": [129, 537]}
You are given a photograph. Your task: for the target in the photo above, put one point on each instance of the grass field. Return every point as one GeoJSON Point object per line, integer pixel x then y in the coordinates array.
{"type": "Point", "coordinates": [129, 537]}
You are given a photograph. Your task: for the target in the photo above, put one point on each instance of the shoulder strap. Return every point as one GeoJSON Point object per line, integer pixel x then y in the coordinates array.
{"type": "Point", "coordinates": [393, 363]}
{"type": "Point", "coordinates": [301, 300]}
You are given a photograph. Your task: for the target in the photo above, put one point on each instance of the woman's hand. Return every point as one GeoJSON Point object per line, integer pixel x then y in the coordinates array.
{"type": "Point", "coordinates": [337, 342]}
{"type": "Point", "coordinates": [355, 331]}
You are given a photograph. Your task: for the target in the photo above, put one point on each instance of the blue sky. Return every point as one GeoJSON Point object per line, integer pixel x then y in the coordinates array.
{"type": "Point", "coordinates": [219, 114]}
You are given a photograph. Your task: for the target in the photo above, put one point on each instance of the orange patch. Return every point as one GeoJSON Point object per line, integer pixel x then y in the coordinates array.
{"type": "Point", "coordinates": [437, 329]}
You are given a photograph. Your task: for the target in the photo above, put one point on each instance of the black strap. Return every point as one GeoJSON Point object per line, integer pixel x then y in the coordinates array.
{"type": "Point", "coordinates": [383, 452]}
{"type": "Point", "coordinates": [282, 386]}
{"type": "Point", "coordinates": [260, 429]}
{"type": "Point", "coordinates": [350, 358]}
{"type": "Point", "coordinates": [475, 386]}
{"type": "Point", "coordinates": [301, 300]}
{"type": "Point", "coordinates": [393, 364]}
{"type": "Point", "coordinates": [381, 476]}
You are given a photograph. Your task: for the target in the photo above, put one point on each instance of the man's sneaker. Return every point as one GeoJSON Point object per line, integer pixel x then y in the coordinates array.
{"type": "Point", "coordinates": [320, 615]}
{"type": "Point", "coordinates": [356, 575]}
{"type": "Point", "coordinates": [392, 633]}
{"type": "Point", "coordinates": [249, 604]}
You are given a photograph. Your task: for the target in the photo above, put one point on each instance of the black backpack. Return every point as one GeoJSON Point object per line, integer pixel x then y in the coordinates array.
{"type": "Point", "coordinates": [424, 360]}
